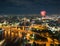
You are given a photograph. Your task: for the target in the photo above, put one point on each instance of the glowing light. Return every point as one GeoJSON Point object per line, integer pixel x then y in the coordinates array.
{"type": "Point", "coordinates": [43, 13]}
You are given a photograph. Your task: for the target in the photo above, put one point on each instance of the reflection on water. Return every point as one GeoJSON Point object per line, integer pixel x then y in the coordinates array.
{"type": "Point", "coordinates": [15, 37]}
{"type": "Point", "coordinates": [22, 42]}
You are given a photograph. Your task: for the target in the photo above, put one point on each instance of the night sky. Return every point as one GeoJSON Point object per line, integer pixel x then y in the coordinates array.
{"type": "Point", "coordinates": [29, 6]}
